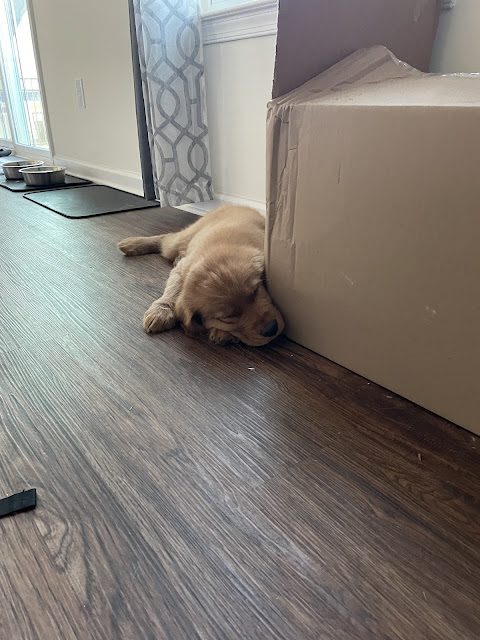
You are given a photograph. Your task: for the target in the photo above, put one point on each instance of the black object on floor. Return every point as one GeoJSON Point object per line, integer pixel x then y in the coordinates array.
{"type": "Point", "coordinates": [18, 502]}
{"type": "Point", "coordinates": [4, 153]}
{"type": "Point", "coordinates": [19, 185]}
{"type": "Point", "coordinates": [94, 200]}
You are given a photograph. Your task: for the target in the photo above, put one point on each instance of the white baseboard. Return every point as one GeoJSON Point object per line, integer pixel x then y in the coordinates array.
{"type": "Point", "coordinates": [202, 208]}
{"type": "Point", "coordinates": [260, 206]}
{"type": "Point", "coordinates": [132, 182]}
{"type": "Point", "coordinates": [124, 180]}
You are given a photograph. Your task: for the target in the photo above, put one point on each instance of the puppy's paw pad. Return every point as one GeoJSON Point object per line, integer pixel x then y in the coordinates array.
{"type": "Point", "coordinates": [129, 246]}
{"type": "Point", "coordinates": [160, 317]}
{"type": "Point", "coordinates": [217, 336]}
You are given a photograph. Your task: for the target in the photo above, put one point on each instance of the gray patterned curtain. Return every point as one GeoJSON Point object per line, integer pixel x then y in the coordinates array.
{"type": "Point", "coordinates": [170, 92]}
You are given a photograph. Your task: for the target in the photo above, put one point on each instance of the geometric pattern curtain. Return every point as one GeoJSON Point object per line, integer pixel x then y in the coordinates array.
{"type": "Point", "coordinates": [166, 35]}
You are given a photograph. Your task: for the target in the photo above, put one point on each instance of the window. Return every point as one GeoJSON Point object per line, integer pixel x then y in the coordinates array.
{"type": "Point", "coordinates": [22, 116]}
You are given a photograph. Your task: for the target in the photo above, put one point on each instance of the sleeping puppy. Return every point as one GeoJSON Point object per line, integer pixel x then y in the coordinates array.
{"type": "Point", "coordinates": [217, 283]}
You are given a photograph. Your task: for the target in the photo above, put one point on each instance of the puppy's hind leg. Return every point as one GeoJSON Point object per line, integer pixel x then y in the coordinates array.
{"type": "Point", "coordinates": [171, 246]}
{"type": "Point", "coordinates": [141, 246]}
{"type": "Point", "coordinates": [161, 314]}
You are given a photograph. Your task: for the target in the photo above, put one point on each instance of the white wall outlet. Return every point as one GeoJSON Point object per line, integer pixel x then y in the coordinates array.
{"type": "Point", "coordinates": [448, 4]}
{"type": "Point", "coordinates": [80, 93]}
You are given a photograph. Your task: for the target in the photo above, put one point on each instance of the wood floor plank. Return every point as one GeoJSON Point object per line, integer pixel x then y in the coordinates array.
{"type": "Point", "coordinates": [191, 491]}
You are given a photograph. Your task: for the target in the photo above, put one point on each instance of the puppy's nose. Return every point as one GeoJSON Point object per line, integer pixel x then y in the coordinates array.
{"type": "Point", "coordinates": [270, 329]}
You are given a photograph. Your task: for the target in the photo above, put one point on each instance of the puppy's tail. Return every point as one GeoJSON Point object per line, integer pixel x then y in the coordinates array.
{"type": "Point", "coordinates": [141, 246]}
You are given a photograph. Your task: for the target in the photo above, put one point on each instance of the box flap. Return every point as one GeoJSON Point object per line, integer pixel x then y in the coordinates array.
{"type": "Point", "coordinates": [313, 35]}
{"type": "Point", "coordinates": [375, 76]}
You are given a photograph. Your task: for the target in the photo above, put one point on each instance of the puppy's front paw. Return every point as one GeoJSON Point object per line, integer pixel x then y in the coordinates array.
{"type": "Point", "coordinates": [217, 336]}
{"type": "Point", "coordinates": [160, 317]}
{"type": "Point", "coordinates": [131, 246]}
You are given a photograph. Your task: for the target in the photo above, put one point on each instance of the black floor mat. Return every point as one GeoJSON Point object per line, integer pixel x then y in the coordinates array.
{"type": "Point", "coordinates": [19, 185]}
{"type": "Point", "coordinates": [94, 200]}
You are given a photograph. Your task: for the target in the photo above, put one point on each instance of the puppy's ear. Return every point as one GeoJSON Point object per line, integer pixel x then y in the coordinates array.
{"type": "Point", "coordinates": [195, 325]}
{"type": "Point", "coordinates": [191, 320]}
{"type": "Point", "coordinates": [258, 262]}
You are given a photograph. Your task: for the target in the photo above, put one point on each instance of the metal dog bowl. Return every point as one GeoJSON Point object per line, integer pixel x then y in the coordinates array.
{"type": "Point", "coordinates": [11, 170]}
{"type": "Point", "coordinates": [43, 176]}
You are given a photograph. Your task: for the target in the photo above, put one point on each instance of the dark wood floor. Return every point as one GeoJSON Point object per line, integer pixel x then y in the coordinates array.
{"type": "Point", "coordinates": [190, 491]}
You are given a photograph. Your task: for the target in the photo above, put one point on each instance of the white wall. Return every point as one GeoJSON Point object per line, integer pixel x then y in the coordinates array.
{"type": "Point", "coordinates": [239, 77]}
{"type": "Point", "coordinates": [457, 47]}
{"type": "Point", "coordinates": [90, 40]}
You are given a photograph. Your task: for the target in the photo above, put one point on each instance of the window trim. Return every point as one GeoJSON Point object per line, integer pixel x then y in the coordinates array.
{"type": "Point", "coordinates": [247, 20]}
{"type": "Point", "coordinates": [38, 60]}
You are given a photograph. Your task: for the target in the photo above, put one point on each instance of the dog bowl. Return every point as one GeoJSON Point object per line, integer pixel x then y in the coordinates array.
{"type": "Point", "coordinates": [43, 176]}
{"type": "Point", "coordinates": [11, 170]}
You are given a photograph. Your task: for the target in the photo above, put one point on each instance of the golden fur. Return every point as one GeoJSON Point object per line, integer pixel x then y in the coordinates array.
{"type": "Point", "coordinates": [217, 283]}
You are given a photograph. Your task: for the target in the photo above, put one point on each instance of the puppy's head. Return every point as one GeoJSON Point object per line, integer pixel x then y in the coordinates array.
{"type": "Point", "coordinates": [225, 291]}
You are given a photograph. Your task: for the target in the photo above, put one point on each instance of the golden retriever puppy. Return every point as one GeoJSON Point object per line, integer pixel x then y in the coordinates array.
{"type": "Point", "coordinates": [217, 283]}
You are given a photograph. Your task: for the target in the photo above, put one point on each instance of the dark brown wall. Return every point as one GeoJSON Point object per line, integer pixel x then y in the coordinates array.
{"type": "Point", "coordinates": [315, 34]}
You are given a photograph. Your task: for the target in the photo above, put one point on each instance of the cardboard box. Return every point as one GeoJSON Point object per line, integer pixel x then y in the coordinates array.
{"type": "Point", "coordinates": [373, 218]}
{"type": "Point", "coordinates": [313, 35]}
